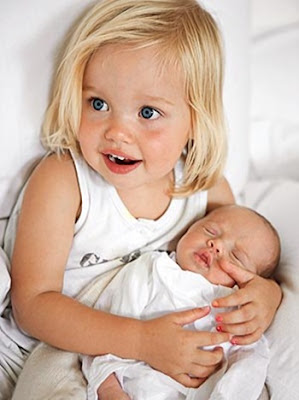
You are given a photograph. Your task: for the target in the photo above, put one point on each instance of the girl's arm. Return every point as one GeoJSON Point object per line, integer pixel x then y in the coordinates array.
{"type": "Point", "coordinates": [220, 195]}
{"type": "Point", "coordinates": [258, 299]}
{"type": "Point", "coordinates": [44, 238]}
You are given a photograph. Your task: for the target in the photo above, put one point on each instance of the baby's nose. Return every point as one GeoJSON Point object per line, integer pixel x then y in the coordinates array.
{"type": "Point", "coordinates": [215, 246]}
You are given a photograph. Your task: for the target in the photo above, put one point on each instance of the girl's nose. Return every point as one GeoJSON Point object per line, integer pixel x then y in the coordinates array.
{"type": "Point", "coordinates": [119, 132]}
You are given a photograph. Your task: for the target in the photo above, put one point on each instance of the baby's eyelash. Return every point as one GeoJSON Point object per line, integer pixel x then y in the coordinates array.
{"type": "Point", "coordinates": [210, 231]}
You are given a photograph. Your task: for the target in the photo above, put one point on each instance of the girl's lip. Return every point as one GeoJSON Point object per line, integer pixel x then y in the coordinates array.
{"type": "Point", "coordinates": [119, 154]}
{"type": "Point", "coordinates": [123, 166]}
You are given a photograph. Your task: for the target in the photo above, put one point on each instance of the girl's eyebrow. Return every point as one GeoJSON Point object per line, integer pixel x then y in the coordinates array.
{"type": "Point", "coordinates": [159, 99]}
{"type": "Point", "coordinates": [88, 88]}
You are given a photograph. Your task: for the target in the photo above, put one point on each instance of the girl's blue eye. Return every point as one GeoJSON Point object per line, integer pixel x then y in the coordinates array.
{"type": "Point", "coordinates": [99, 105]}
{"type": "Point", "coordinates": [149, 113]}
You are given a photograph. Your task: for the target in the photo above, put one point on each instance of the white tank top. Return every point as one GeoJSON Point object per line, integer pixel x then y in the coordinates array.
{"type": "Point", "coordinates": [106, 230]}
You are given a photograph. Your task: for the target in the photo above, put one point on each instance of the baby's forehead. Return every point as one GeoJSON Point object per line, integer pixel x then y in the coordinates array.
{"type": "Point", "coordinates": [236, 218]}
{"type": "Point", "coordinates": [231, 212]}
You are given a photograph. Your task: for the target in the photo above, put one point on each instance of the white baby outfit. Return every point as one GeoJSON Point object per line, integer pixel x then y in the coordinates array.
{"type": "Point", "coordinates": [106, 235]}
{"type": "Point", "coordinates": [154, 285]}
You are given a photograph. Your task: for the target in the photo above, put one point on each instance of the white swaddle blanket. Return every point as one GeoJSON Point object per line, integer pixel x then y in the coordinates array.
{"type": "Point", "coordinates": [154, 285]}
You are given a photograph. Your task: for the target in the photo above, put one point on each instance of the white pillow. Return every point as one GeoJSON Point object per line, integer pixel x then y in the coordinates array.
{"type": "Point", "coordinates": [274, 149]}
{"type": "Point", "coordinates": [233, 19]}
{"type": "Point", "coordinates": [278, 201]}
{"type": "Point", "coordinates": [275, 82]}
{"type": "Point", "coordinates": [30, 32]}
{"type": "Point", "coordinates": [274, 133]}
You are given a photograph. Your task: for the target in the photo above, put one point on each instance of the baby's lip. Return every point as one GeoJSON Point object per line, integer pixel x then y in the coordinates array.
{"type": "Point", "coordinates": [204, 257]}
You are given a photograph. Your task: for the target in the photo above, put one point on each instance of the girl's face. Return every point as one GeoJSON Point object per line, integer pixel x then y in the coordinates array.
{"type": "Point", "coordinates": [135, 119]}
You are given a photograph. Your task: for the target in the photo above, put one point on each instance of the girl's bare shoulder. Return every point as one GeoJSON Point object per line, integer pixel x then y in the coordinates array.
{"type": "Point", "coordinates": [54, 180]}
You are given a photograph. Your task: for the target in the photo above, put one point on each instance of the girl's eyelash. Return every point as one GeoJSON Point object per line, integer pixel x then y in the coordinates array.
{"type": "Point", "coordinates": [147, 112]}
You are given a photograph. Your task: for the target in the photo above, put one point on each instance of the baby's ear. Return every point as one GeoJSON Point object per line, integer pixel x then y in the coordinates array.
{"type": "Point", "coordinates": [240, 275]}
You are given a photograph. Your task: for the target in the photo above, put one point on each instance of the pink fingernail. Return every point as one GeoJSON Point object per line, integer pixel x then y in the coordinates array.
{"type": "Point", "coordinates": [219, 328]}
{"type": "Point", "coordinates": [234, 341]}
{"type": "Point", "coordinates": [219, 318]}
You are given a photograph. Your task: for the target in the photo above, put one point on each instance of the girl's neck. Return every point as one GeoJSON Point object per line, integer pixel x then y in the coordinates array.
{"type": "Point", "coordinates": [148, 202]}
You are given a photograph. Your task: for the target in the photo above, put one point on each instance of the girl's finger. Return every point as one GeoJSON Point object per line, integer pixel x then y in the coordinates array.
{"type": "Point", "coordinates": [237, 316]}
{"type": "Point", "coordinates": [208, 358]}
{"type": "Point", "coordinates": [248, 339]}
{"type": "Point", "coordinates": [240, 275]}
{"type": "Point", "coordinates": [202, 372]}
{"type": "Point", "coordinates": [189, 316]}
{"type": "Point", "coordinates": [210, 339]}
{"type": "Point", "coordinates": [243, 329]}
{"type": "Point", "coordinates": [236, 299]}
{"type": "Point", "coordinates": [188, 381]}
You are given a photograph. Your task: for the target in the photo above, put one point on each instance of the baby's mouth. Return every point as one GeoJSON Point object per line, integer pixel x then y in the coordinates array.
{"type": "Point", "coordinates": [203, 258]}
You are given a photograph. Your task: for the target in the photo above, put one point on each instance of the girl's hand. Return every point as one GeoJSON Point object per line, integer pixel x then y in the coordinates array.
{"type": "Point", "coordinates": [257, 301]}
{"type": "Point", "coordinates": [177, 352]}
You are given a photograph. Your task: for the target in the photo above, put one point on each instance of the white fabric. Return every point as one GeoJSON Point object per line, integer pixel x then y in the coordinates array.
{"type": "Point", "coordinates": [50, 373]}
{"type": "Point", "coordinates": [154, 285]}
{"type": "Point", "coordinates": [278, 201]}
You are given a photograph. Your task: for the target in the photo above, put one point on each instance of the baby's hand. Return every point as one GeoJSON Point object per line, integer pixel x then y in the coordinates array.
{"type": "Point", "coordinates": [257, 301]}
{"type": "Point", "coordinates": [177, 352]}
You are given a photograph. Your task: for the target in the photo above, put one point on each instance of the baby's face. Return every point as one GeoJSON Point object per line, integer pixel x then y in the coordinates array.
{"type": "Point", "coordinates": [227, 235]}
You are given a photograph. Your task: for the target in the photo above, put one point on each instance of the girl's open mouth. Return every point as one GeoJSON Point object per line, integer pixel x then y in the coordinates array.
{"type": "Point", "coordinates": [119, 164]}
{"type": "Point", "coordinates": [121, 160]}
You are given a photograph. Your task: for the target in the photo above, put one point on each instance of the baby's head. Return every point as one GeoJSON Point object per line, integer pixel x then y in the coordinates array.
{"type": "Point", "coordinates": [229, 234]}
{"type": "Point", "coordinates": [185, 36]}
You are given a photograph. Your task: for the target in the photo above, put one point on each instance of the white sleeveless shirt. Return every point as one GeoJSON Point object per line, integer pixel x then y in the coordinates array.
{"type": "Point", "coordinates": [106, 231]}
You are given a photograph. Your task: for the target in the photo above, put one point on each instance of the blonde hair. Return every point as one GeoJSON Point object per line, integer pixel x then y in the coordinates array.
{"type": "Point", "coordinates": [187, 35]}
